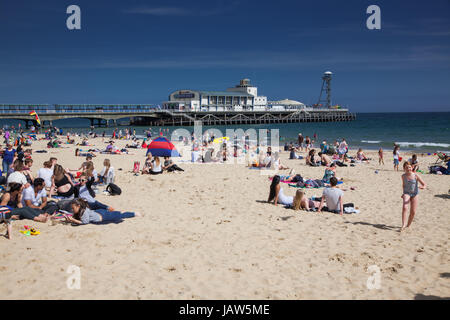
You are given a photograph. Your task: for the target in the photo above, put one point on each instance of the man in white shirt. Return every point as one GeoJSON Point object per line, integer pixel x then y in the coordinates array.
{"type": "Point", "coordinates": [333, 198]}
{"type": "Point", "coordinates": [35, 196]}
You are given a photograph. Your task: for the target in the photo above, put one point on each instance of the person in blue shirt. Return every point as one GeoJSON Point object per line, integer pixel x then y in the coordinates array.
{"type": "Point", "coordinates": [9, 154]}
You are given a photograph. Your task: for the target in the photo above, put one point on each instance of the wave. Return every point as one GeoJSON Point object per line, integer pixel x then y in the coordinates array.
{"type": "Point", "coordinates": [370, 141]}
{"type": "Point", "coordinates": [423, 144]}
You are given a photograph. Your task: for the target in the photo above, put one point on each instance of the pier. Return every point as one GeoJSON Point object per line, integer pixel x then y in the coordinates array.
{"type": "Point", "coordinates": [149, 115]}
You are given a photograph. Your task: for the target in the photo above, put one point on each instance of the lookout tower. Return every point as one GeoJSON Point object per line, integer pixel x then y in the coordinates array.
{"type": "Point", "coordinates": [326, 89]}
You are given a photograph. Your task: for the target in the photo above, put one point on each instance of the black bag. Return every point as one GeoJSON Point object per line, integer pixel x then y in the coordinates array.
{"type": "Point", "coordinates": [113, 189]}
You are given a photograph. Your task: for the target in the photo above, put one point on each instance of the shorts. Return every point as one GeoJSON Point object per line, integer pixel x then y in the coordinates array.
{"type": "Point", "coordinates": [396, 162]}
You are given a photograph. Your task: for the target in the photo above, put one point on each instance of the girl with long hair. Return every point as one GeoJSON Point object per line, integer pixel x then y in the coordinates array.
{"type": "Point", "coordinates": [82, 214]}
{"type": "Point", "coordinates": [276, 193]}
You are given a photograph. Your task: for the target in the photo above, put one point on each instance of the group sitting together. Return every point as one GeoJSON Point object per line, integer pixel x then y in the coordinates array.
{"type": "Point", "coordinates": [153, 165]}
{"type": "Point", "coordinates": [331, 200]}
{"type": "Point", "coordinates": [56, 193]}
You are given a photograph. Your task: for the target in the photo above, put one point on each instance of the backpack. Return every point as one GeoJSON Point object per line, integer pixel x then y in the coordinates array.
{"type": "Point", "coordinates": [113, 189]}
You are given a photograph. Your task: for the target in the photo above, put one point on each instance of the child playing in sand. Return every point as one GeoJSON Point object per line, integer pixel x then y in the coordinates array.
{"type": "Point", "coordinates": [380, 156]}
{"type": "Point", "coordinates": [410, 183]}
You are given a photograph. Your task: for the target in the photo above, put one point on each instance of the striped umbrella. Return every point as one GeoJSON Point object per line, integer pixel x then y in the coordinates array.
{"type": "Point", "coordinates": [162, 147]}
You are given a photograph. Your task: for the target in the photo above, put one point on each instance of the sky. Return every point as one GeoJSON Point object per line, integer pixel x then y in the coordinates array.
{"type": "Point", "coordinates": [138, 51]}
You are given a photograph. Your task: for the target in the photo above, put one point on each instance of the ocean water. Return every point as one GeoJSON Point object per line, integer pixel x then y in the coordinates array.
{"type": "Point", "coordinates": [421, 132]}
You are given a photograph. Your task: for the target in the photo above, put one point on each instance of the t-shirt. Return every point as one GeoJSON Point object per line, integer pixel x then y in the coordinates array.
{"type": "Point", "coordinates": [17, 177]}
{"type": "Point", "coordinates": [155, 167]}
{"type": "Point", "coordinates": [332, 196]}
{"type": "Point", "coordinates": [109, 176]}
{"type": "Point", "coordinates": [90, 216]}
{"type": "Point", "coordinates": [36, 199]}
{"type": "Point", "coordinates": [46, 174]}
{"type": "Point", "coordinates": [8, 155]}
{"type": "Point", "coordinates": [84, 194]}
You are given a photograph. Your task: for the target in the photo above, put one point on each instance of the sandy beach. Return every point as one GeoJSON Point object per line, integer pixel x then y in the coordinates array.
{"type": "Point", "coordinates": [209, 233]}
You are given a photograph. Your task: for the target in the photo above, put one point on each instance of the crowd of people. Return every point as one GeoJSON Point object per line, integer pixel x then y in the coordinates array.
{"type": "Point", "coordinates": [332, 199]}
{"type": "Point", "coordinates": [55, 189]}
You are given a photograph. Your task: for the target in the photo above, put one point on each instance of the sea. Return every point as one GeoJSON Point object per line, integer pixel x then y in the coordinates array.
{"type": "Point", "coordinates": [417, 132]}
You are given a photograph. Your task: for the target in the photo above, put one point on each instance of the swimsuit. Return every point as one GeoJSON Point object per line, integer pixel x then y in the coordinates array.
{"type": "Point", "coordinates": [411, 187]}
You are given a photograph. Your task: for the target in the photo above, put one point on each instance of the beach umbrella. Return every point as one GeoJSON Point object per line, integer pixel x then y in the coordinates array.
{"type": "Point", "coordinates": [162, 147]}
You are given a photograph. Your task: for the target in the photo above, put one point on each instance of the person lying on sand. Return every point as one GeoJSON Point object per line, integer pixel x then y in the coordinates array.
{"type": "Point", "coordinates": [82, 214]}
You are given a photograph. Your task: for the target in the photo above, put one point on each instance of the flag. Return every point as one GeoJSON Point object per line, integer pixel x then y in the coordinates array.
{"type": "Point", "coordinates": [33, 113]}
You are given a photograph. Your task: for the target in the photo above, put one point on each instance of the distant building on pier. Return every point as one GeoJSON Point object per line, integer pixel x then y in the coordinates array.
{"type": "Point", "coordinates": [240, 98]}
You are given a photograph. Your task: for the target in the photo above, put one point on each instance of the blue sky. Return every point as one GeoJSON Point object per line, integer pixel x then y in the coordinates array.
{"type": "Point", "coordinates": [139, 51]}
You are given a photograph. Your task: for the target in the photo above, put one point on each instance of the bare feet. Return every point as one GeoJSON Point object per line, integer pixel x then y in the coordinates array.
{"type": "Point", "coordinates": [137, 214]}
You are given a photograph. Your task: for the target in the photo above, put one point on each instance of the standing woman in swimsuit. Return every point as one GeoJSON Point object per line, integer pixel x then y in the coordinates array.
{"type": "Point", "coordinates": [61, 183]}
{"type": "Point", "coordinates": [410, 182]}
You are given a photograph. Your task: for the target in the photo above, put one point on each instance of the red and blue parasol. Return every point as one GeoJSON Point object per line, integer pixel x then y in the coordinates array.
{"type": "Point", "coordinates": [162, 147]}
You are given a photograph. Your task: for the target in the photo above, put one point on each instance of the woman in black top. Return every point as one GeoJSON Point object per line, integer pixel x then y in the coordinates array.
{"type": "Point", "coordinates": [61, 183]}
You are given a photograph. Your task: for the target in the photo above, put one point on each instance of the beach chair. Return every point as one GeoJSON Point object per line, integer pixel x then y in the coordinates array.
{"type": "Point", "coordinates": [442, 157]}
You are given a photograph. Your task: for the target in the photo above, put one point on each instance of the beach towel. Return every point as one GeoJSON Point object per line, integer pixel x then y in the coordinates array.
{"type": "Point", "coordinates": [310, 185]}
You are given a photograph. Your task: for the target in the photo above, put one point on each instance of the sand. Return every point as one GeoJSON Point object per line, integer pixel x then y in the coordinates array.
{"type": "Point", "coordinates": [208, 233]}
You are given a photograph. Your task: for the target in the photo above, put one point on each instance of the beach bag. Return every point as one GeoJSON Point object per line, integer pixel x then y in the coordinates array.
{"type": "Point", "coordinates": [113, 189]}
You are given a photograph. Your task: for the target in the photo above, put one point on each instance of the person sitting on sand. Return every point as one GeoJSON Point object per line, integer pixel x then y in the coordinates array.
{"type": "Point", "coordinates": [106, 176]}
{"type": "Point", "coordinates": [16, 174]}
{"type": "Point", "coordinates": [302, 202]}
{"type": "Point", "coordinates": [82, 214]}
{"type": "Point", "coordinates": [110, 147]}
{"type": "Point", "coordinates": [410, 184]}
{"type": "Point", "coordinates": [13, 199]}
{"type": "Point", "coordinates": [90, 172]}
{"type": "Point", "coordinates": [329, 173]}
{"type": "Point", "coordinates": [156, 167]}
{"type": "Point", "coordinates": [310, 161]}
{"type": "Point", "coordinates": [414, 163]}
{"type": "Point", "coordinates": [292, 154]}
{"type": "Point", "coordinates": [361, 156]}
{"type": "Point", "coordinates": [84, 142]}
{"type": "Point", "coordinates": [276, 193]}
{"type": "Point", "coordinates": [324, 147]}
{"type": "Point", "coordinates": [83, 166]}
{"type": "Point", "coordinates": [324, 159]}
{"type": "Point", "coordinates": [35, 196]}
{"type": "Point", "coordinates": [276, 163]}
{"type": "Point", "coordinates": [332, 196]}
{"type": "Point", "coordinates": [84, 191]}
{"type": "Point", "coordinates": [62, 183]}
{"type": "Point", "coordinates": [27, 170]}
{"type": "Point", "coordinates": [147, 164]}
{"type": "Point", "coordinates": [169, 166]}
{"type": "Point", "coordinates": [46, 173]}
